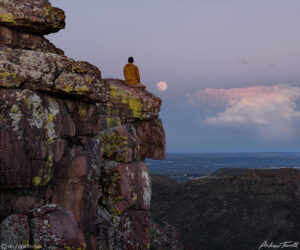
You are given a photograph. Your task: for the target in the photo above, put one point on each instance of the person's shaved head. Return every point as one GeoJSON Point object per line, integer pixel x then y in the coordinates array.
{"type": "Point", "coordinates": [130, 60]}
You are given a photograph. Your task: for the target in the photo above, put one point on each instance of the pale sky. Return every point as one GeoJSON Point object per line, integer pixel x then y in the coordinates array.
{"type": "Point", "coordinates": [232, 67]}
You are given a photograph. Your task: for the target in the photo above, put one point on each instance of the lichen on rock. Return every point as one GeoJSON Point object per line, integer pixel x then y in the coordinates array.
{"type": "Point", "coordinates": [120, 143]}
{"type": "Point", "coordinates": [15, 230]}
{"type": "Point", "coordinates": [33, 16]}
{"type": "Point", "coordinates": [72, 139]}
{"type": "Point", "coordinates": [10, 76]}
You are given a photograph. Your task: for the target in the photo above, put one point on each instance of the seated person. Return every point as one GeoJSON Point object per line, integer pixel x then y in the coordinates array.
{"type": "Point", "coordinates": [132, 75]}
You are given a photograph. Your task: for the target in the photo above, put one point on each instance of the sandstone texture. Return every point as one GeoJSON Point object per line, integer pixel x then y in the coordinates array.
{"type": "Point", "coordinates": [72, 144]}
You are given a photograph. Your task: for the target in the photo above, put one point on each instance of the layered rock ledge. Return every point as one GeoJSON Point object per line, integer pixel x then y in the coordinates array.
{"type": "Point", "coordinates": [34, 16]}
{"type": "Point", "coordinates": [72, 145]}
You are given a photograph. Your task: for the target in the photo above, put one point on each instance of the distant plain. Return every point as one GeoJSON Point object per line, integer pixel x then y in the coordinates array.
{"type": "Point", "coordinates": [186, 166]}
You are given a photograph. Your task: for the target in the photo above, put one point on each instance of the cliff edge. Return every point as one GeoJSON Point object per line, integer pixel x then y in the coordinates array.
{"type": "Point", "coordinates": [72, 145]}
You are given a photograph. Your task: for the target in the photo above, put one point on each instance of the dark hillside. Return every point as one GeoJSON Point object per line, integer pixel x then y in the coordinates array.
{"type": "Point", "coordinates": [233, 212]}
{"type": "Point", "coordinates": [229, 172]}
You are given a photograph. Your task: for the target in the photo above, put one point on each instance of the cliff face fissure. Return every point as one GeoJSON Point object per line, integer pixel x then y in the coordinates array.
{"type": "Point", "coordinates": [72, 145]}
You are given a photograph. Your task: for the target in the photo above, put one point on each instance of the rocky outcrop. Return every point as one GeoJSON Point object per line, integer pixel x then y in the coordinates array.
{"type": "Point", "coordinates": [33, 16]}
{"type": "Point", "coordinates": [50, 225]}
{"type": "Point", "coordinates": [72, 145]}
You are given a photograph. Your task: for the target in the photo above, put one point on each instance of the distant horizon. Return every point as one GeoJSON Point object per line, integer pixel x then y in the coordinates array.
{"type": "Point", "coordinates": [183, 166]}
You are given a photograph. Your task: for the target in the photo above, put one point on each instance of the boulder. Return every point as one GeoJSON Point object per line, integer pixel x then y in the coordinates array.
{"type": "Point", "coordinates": [33, 16]}
{"type": "Point", "coordinates": [14, 230]}
{"type": "Point", "coordinates": [47, 227]}
{"type": "Point", "coordinates": [53, 73]}
{"type": "Point", "coordinates": [54, 226]}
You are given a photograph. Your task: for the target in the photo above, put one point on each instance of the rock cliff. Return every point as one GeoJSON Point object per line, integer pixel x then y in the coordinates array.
{"type": "Point", "coordinates": [72, 145]}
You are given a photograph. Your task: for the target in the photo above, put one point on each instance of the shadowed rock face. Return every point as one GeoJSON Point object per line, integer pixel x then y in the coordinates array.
{"type": "Point", "coordinates": [27, 41]}
{"type": "Point", "coordinates": [71, 139]}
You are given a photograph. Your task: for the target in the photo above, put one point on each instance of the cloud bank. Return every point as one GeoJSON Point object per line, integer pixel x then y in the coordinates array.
{"type": "Point", "coordinates": [271, 109]}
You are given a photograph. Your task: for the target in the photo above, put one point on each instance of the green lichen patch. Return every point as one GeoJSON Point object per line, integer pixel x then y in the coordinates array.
{"type": "Point", "coordinates": [55, 17]}
{"type": "Point", "coordinates": [82, 110]}
{"type": "Point", "coordinates": [115, 211]}
{"type": "Point", "coordinates": [32, 119]}
{"type": "Point", "coordinates": [115, 145]}
{"type": "Point", "coordinates": [120, 95]}
{"type": "Point", "coordinates": [80, 90]}
{"type": "Point", "coordinates": [77, 67]}
{"type": "Point", "coordinates": [36, 181]}
{"type": "Point", "coordinates": [30, 109]}
{"type": "Point", "coordinates": [45, 173]}
{"type": "Point", "coordinates": [7, 18]}
{"type": "Point", "coordinates": [34, 17]}
{"type": "Point", "coordinates": [113, 121]}
{"type": "Point", "coordinates": [9, 77]}
{"type": "Point", "coordinates": [73, 84]}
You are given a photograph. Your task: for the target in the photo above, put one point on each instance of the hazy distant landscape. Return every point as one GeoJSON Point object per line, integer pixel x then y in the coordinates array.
{"type": "Point", "coordinates": [226, 200]}
{"type": "Point", "coordinates": [186, 166]}
{"type": "Point", "coordinates": [230, 212]}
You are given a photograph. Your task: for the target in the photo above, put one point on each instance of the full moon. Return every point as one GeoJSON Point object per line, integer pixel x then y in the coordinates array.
{"type": "Point", "coordinates": [162, 86]}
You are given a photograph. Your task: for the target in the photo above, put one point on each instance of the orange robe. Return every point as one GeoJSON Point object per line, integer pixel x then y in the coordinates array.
{"type": "Point", "coordinates": [131, 74]}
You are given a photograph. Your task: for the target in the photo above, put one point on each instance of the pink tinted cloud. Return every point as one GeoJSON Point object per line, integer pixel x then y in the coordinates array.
{"type": "Point", "coordinates": [217, 97]}
{"type": "Point", "coordinates": [271, 108]}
